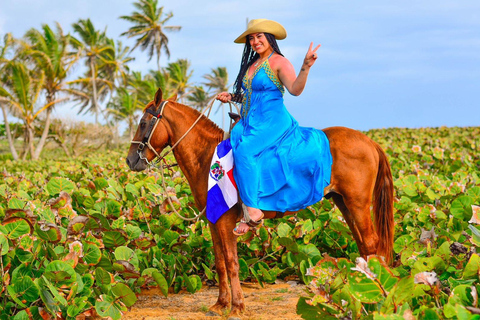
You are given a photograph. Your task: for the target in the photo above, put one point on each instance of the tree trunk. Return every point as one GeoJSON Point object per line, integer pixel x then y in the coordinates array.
{"type": "Point", "coordinates": [29, 140]}
{"type": "Point", "coordinates": [94, 88]}
{"type": "Point", "coordinates": [130, 127]}
{"type": "Point", "coordinates": [9, 134]}
{"type": "Point", "coordinates": [62, 144]}
{"type": "Point", "coordinates": [46, 128]}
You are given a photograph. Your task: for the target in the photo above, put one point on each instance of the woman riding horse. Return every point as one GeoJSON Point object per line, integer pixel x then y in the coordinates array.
{"type": "Point", "coordinates": [279, 166]}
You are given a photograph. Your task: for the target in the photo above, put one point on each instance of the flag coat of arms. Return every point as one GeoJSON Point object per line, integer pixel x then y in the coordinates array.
{"type": "Point", "coordinates": [222, 190]}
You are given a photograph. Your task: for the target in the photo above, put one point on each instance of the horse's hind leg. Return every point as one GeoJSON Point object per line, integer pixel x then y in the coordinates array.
{"type": "Point", "coordinates": [224, 297]}
{"type": "Point", "coordinates": [338, 199]}
{"type": "Point", "coordinates": [359, 208]}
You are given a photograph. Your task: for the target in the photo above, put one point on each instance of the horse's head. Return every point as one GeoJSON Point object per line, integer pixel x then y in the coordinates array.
{"type": "Point", "coordinates": [152, 135]}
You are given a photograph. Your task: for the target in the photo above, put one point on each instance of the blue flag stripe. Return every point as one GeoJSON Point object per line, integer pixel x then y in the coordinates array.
{"type": "Point", "coordinates": [216, 202]}
{"type": "Point", "coordinates": [223, 148]}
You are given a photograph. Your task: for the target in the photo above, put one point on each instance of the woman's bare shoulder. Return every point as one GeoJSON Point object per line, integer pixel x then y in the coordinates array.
{"type": "Point", "coordinates": [278, 62]}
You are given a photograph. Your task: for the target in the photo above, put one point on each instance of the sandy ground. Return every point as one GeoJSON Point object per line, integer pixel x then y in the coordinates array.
{"type": "Point", "coordinates": [277, 301]}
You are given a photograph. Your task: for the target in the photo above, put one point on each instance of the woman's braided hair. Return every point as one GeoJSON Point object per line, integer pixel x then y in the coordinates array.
{"type": "Point", "coordinates": [248, 58]}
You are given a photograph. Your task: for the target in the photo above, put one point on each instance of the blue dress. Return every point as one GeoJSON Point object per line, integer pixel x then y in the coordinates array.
{"type": "Point", "coordinates": [279, 166]}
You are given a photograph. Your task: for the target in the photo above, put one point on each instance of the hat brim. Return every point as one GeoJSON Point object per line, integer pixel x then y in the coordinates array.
{"type": "Point", "coordinates": [266, 26]}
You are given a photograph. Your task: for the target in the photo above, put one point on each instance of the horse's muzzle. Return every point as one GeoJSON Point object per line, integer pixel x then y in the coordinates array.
{"type": "Point", "coordinates": [135, 163]}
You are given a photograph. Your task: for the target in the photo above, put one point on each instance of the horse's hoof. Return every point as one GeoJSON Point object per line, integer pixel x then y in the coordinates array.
{"type": "Point", "coordinates": [212, 314]}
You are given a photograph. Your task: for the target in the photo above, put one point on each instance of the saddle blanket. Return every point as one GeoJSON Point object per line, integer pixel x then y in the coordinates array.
{"type": "Point", "coordinates": [222, 190]}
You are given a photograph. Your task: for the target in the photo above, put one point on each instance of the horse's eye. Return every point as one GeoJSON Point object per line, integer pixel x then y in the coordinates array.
{"type": "Point", "coordinates": [143, 125]}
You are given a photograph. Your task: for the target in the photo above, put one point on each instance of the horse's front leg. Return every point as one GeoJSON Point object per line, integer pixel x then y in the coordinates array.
{"type": "Point", "coordinates": [225, 226]}
{"type": "Point", "coordinates": [224, 297]}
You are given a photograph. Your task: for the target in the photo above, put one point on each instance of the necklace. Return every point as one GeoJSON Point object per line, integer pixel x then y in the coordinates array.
{"type": "Point", "coordinates": [262, 60]}
{"type": "Point", "coordinates": [256, 63]}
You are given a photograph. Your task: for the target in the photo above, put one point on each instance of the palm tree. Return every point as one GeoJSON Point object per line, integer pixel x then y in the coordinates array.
{"type": "Point", "coordinates": [149, 26]}
{"type": "Point", "coordinates": [198, 97]}
{"type": "Point", "coordinates": [124, 107]}
{"type": "Point", "coordinates": [146, 86]}
{"type": "Point", "coordinates": [4, 51]}
{"type": "Point", "coordinates": [22, 94]}
{"type": "Point", "coordinates": [54, 58]}
{"type": "Point", "coordinates": [114, 63]}
{"type": "Point", "coordinates": [94, 44]}
{"type": "Point", "coordinates": [217, 81]}
{"type": "Point", "coordinates": [179, 76]}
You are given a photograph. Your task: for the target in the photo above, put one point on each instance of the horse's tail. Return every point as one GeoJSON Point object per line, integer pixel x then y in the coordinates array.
{"type": "Point", "coordinates": [383, 206]}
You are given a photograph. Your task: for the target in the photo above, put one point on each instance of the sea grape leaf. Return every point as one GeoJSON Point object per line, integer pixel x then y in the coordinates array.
{"type": "Point", "coordinates": [57, 184]}
{"type": "Point", "coordinates": [102, 277]}
{"type": "Point", "coordinates": [127, 254]}
{"type": "Point", "coordinates": [310, 250]}
{"type": "Point", "coordinates": [309, 312]}
{"type": "Point", "coordinates": [16, 227]}
{"type": "Point", "coordinates": [100, 183]}
{"type": "Point", "coordinates": [4, 246]}
{"type": "Point", "coordinates": [461, 207]}
{"type": "Point", "coordinates": [58, 297]}
{"type": "Point", "coordinates": [77, 306]}
{"type": "Point", "coordinates": [114, 207]}
{"type": "Point", "coordinates": [170, 236]}
{"type": "Point", "coordinates": [364, 289]}
{"type": "Point", "coordinates": [77, 224]}
{"type": "Point", "coordinates": [48, 232]}
{"type": "Point", "coordinates": [16, 203]}
{"type": "Point", "coordinates": [13, 294]}
{"type": "Point", "coordinates": [243, 272]}
{"type": "Point", "coordinates": [289, 243]}
{"type": "Point", "coordinates": [383, 273]}
{"type": "Point", "coordinates": [92, 254]}
{"type": "Point", "coordinates": [125, 294]}
{"type": "Point", "coordinates": [190, 283]}
{"type": "Point", "coordinates": [126, 269]}
{"type": "Point", "coordinates": [26, 289]}
{"type": "Point", "coordinates": [109, 307]}
{"type": "Point", "coordinates": [60, 273]}
{"type": "Point", "coordinates": [112, 239]}
{"type": "Point", "coordinates": [161, 282]}
{"type": "Point", "coordinates": [133, 232]}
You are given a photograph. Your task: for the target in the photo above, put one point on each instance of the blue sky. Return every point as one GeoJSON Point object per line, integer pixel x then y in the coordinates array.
{"type": "Point", "coordinates": [382, 63]}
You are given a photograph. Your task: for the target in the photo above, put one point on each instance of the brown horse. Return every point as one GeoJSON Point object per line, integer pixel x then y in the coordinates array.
{"type": "Point", "coordinates": [360, 170]}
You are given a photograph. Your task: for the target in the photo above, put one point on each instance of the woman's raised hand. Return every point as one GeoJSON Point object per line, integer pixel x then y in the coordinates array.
{"type": "Point", "coordinates": [224, 97]}
{"type": "Point", "coordinates": [311, 55]}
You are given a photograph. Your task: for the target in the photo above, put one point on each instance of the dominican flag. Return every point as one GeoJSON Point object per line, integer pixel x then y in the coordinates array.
{"type": "Point", "coordinates": [222, 190]}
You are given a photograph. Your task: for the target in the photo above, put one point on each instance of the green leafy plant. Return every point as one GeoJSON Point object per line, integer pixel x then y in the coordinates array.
{"type": "Point", "coordinates": [84, 236]}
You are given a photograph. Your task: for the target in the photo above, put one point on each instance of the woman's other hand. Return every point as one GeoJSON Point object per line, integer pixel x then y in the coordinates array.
{"type": "Point", "coordinates": [224, 97]}
{"type": "Point", "coordinates": [311, 55]}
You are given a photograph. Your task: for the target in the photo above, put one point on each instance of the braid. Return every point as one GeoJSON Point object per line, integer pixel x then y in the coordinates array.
{"type": "Point", "coordinates": [248, 57]}
{"type": "Point", "coordinates": [273, 43]}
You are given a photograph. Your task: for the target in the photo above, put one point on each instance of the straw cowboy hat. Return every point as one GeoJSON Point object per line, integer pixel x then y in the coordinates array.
{"type": "Point", "coordinates": [263, 25]}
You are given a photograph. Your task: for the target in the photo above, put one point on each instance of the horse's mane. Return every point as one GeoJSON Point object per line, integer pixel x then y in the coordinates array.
{"type": "Point", "coordinates": [209, 128]}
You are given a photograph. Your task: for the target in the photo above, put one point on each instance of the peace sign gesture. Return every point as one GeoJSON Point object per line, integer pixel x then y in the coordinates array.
{"type": "Point", "coordinates": [311, 55]}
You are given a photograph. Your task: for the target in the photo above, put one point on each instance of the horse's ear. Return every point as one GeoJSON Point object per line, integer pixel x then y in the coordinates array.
{"type": "Point", "coordinates": [158, 97]}
{"type": "Point", "coordinates": [173, 98]}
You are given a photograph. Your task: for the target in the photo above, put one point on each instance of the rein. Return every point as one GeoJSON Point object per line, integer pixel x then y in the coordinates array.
{"type": "Point", "coordinates": [146, 142]}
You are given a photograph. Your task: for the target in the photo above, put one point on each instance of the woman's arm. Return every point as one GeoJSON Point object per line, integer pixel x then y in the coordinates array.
{"type": "Point", "coordinates": [286, 73]}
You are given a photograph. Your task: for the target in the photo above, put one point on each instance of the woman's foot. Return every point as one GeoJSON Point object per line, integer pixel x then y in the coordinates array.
{"type": "Point", "coordinates": [256, 216]}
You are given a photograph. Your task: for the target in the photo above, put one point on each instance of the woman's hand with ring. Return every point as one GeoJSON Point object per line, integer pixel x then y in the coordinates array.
{"type": "Point", "coordinates": [311, 55]}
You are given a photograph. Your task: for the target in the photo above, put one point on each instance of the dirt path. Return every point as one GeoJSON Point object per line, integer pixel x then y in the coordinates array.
{"type": "Point", "coordinates": [277, 301]}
